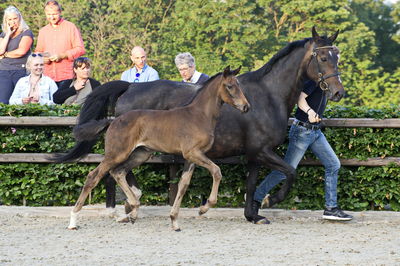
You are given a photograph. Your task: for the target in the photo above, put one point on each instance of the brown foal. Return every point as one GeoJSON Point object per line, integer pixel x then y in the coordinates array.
{"type": "Point", "coordinates": [189, 131]}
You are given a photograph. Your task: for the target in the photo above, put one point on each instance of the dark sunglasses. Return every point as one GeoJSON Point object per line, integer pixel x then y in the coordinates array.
{"type": "Point", "coordinates": [34, 55]}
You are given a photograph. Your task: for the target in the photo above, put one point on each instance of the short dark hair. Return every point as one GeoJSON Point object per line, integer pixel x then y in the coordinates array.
{"type": "Point", "coordinates": [78, 62]}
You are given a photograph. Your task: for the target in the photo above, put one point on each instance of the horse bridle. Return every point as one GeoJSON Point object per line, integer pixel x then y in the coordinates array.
{"type": "Point", "coordinates": [321, 78]}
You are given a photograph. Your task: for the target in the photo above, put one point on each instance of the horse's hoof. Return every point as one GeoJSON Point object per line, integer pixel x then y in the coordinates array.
{"type": "Point", "coordinates": [74, 228]}
{"type": "Point", "coordinates": [203, 210]}
{"type": "Point", "coordinates": [260, 220]}
{"type": "Point", "coordinates": [177, 230]}
{"type": "Point", "coordinates": [266, 202]}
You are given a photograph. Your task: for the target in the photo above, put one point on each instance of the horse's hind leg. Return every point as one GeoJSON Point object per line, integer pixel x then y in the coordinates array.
{"type": "Point", "coordinates": [91, 182]}
{"type": "Point", "coordinates": [200, 159]}
{"type": "Point", "coordinates": [136, 158]}
{"type": "Point", "coordinates": [182, 187]}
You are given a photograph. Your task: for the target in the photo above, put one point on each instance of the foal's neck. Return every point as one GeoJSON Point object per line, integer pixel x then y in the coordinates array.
{"type": "Point", "coordinates": [208, 101]}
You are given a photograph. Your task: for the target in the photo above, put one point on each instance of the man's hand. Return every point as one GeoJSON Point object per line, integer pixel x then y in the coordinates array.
{"type": "Point", "coordinates": [313, 117]}
{"type": "Point", "coordinates": [57, 57]}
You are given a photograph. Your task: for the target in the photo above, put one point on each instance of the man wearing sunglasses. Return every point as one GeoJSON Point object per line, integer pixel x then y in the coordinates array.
{"type": "Point", "coordinates": [141, 71]}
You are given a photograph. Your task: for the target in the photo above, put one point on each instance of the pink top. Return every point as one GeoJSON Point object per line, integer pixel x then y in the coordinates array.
{"type": "Point", "coordinates": [65, 38]}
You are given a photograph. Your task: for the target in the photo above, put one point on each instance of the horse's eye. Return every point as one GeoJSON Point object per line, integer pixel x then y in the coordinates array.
{"type": "Point", "coordinates": [229, 87]}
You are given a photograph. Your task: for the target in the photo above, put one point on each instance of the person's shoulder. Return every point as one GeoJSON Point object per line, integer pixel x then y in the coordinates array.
{"type": "Point", "coordinates": [68, 24]}
{"type": "Point", "coordinates": [94, 83]}
{"type": "Point", "coordinates": [27, 32]}
{"type": "Point", "coordinates": [151, 69]}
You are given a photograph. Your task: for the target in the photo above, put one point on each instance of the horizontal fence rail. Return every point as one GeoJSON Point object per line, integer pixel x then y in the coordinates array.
{"type": "Point", "coordinates": [71, 120]}
{"type": "Point", "coordinates": [171, 159]}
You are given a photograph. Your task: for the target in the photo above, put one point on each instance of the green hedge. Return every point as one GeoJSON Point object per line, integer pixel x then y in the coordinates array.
{"type": "Point", "coordinates": [359, 188]}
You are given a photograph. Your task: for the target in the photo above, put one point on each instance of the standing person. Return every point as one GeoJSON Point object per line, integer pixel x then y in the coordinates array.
{"type": "Point", "coordinates": [187, 68]}
{"type": "Point", "coordinates": [141, 71]}
{"type": "Point", "coordinates": [35, 88]}
{"type": "Point", "coordinates": [306, 133]}
{"type": "Point", "coordinates": [60, 42]}
{"type": "Point", "coordinates": [15, 43]}
{"type": "Point", "coordinates": [75, 91]}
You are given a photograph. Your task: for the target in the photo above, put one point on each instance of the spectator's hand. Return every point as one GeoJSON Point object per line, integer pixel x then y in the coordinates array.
{"type": "Point", "coordinates": [33, 100]}
{"type": "Point", "coordinates": [11, 30]}
{"type": "Point", "coordinates": [56, 57]}
{"type": "Point", "coordinates": [313, 117]}
{"type": "Point", "coordinates": [80, 84]}
{"type": "Point", "coordinates": [26, 100]}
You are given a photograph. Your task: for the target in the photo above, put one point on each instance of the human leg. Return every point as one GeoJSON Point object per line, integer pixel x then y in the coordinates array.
{"type": "Point", "coordinates": [6, 86]}
{"type": "Point", "coordinates": [299, 141]}
{"type": "Point", "coordinates": [323, 150]}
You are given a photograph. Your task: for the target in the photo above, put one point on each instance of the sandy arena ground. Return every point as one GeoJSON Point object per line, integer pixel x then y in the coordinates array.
{"type": "Point", "coordinates": [38, 236]}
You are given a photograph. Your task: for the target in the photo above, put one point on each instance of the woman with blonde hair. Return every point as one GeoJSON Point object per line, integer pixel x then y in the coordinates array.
{"type": "Point", "coordinates": [16, 41]}
{"type": "Point", "coordinates": [35, 88]}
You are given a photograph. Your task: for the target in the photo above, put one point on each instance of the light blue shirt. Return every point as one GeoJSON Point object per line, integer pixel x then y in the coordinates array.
{"type": "Point", "coordinates": [47, 87]}
{"type": "Point", "coordinates": [148, 74]}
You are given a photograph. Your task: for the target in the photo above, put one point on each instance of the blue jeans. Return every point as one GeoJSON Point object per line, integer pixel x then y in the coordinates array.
{"type": "Point", "coordinates": [8, 80]}
{"type": "Point", "coordinates": [300, 139]}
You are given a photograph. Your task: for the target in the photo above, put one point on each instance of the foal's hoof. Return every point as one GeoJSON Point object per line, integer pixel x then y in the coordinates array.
{"type": "Point", "coordinates": [177, 230]}
{"type": "Point", "coordinates": [128, 207]}
{"type": "Point", "coordinates": [258, 219]}
{"type": "Point", "coordinates": [74, 228]}
{"type": "Point", "coordinates": [203, 209]}
{"type": "Point", "coordinates": [123, 220]}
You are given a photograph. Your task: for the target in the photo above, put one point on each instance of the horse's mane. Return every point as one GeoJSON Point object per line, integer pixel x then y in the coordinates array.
{"type": "Point", "coordinates": [204, 85]}
{"type": "Point", "coordinates": [279, 55]}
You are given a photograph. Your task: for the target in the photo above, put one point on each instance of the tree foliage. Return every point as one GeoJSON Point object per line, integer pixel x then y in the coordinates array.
{"type": "Point", "coordinates": [248, 33]}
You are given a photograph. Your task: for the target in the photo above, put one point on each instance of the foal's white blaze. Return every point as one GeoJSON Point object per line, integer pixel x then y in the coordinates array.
{"type": "Point", "coordinates": [73, 219]}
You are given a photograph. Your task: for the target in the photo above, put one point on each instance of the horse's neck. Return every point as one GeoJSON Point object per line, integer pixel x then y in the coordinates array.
{"type": "Point", "coordinates": [290, 71]}
{"type": "Point", "coordinates": [208, 102]}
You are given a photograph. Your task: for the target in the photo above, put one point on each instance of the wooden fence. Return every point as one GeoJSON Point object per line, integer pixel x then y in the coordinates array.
{"type": "Point", "coordinates": [174, 161]}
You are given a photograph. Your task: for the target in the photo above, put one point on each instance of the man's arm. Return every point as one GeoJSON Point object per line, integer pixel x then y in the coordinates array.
{"type": "Point", "coordinates": [313, 117]}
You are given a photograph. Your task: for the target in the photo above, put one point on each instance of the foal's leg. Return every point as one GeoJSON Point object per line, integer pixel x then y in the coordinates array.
{"type": "Point", "coordinates": [200, 159]}
{"type": "Point", "coordinates": [182, 187]}
{"type": "Point", "coordinates": [91, 182]}
{"type": "Point", "coordinates": [136, 158]}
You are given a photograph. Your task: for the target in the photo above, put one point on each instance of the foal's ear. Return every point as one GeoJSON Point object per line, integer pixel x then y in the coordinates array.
{"type": "Point", "coordinates": [334, 36]}
{"type": "Point", "coordinates": [236, 71]}
{"type": "Point", "coordinates": [227, 71]}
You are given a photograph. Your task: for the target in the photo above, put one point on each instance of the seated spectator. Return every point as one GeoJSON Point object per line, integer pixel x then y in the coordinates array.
{"type": "Point", "coordinates": [74, 91]}
{"type": "Point", "coordinates": [141, 71]}
{"type": "Point", "coordinates": [15, 44]}
{"type": "Point", "coordinates": [187, 68]}
{"type": "Point", "coordinates": [35, 88]}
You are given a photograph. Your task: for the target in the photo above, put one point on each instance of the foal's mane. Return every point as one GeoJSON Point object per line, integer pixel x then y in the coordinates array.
{"type": "Point", "coordinates": [204, 85]}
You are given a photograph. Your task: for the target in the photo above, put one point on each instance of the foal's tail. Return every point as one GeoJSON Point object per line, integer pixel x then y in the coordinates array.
{"type": "Point", "coordinates": [92, 119]}
{"type": "Point", "coordinates": [86, 137]}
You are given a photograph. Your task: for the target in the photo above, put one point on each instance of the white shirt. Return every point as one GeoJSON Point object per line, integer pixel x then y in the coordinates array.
{"type": "Point", "coordinates": [47, 87]}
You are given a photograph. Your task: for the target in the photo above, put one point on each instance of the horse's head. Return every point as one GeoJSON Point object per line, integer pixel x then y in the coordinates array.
{"type": "Point", "coordinates": [231, 92]}
{"type": "Point", "coordinates": [323, 65]}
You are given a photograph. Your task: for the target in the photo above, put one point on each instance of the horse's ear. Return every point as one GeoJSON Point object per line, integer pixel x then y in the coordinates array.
{"type": "Point", "coordinates": [236, 71]}
{"type": "Point", "coordinates": [315, 34]}
{"type": "Point", "coordinates": [334, 36]}
{"type": "Point", "coordinates": [227, 71]}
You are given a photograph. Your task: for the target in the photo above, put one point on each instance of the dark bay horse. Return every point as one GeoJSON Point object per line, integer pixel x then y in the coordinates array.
{"type": "Point", "coordinates": [272, 90]}
{"type": "Point", "coordinates": [188, 131]}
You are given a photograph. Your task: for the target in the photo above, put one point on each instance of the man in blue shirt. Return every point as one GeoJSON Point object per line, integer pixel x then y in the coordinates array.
{"type": "Point", "coordinates": [305, 133]}
{"type": "Point", "coordinates": [141, 71]}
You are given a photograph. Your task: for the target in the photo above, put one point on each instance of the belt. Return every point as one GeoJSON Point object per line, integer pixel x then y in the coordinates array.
{"type": "Point", "coordinates": [307, 125]}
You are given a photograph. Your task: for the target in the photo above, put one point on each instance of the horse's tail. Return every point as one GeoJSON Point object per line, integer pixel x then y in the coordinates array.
{"type": "Point", "coordinates": [86, 136]}
{"type": "Point", "coordinates": [101, 101]}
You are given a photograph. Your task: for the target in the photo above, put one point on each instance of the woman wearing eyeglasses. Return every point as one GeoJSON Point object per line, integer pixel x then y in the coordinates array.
{"type": "Point", "coordinates": [74, 91]}
{"type": "Point", "coordinates": [15, 42]}
{"type": "Point", "coordinates": [35, 88]}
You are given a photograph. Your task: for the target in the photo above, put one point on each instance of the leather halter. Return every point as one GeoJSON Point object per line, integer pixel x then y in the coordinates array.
{"type": "Point", "coordinates": [321, 78]}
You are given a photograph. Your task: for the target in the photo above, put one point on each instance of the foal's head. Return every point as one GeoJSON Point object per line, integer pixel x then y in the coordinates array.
{"type": "Point", "coordinates": [231, 92]}
{"type": "Point", "coordinates": [323, 67]}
